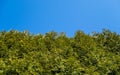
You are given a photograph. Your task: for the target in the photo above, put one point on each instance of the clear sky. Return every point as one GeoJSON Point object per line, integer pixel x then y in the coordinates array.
{"type": "Point", "coordinates": [41, 16]}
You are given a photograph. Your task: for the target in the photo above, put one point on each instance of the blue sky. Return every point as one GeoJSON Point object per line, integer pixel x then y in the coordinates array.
{"type": "Point", "coordinates": [41, 16]}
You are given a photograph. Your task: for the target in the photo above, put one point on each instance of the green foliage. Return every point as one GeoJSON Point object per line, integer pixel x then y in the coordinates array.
{"type": "Point", "coordinates": [22, 53]}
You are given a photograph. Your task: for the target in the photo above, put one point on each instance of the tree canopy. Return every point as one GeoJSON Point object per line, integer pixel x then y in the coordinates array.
{"type": "Point", "coordinates": [23, 53]}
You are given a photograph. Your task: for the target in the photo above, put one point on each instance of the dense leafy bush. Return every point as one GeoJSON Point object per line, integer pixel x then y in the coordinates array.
{"type": "Point", "coordinates": [22, 53]}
